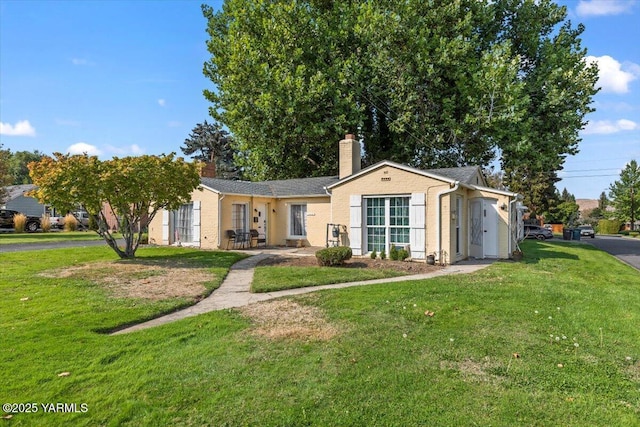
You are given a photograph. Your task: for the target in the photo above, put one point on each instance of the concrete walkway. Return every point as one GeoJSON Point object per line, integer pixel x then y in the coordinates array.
{"type": "Point", "coordinates": [234, 290]}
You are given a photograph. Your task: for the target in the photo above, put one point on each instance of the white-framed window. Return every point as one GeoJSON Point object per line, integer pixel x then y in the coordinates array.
{"type": "Point", "coordinates": [183, 223]}
{"type": "Point", "coordinates": [298, 220]}
{"type": "Point", "coordinates": [239, 217]}
{"type": "Point", "coordinates": [387, 222]}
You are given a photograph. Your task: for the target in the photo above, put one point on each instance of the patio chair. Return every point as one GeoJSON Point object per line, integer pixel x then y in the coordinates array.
{"type": "Point", "coordinates": [231, 237]}
{"type": "Point", "coordinates": [258, 238]}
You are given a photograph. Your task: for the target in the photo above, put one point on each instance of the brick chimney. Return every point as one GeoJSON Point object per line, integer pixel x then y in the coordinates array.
{"type": "Point", "coordinates": [208, 170]}
{"type": "Point", "coordinates": [350, 157]}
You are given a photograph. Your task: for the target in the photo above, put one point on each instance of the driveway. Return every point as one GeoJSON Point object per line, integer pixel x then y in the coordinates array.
{"type": "Point", "coordinates": [625, 249]}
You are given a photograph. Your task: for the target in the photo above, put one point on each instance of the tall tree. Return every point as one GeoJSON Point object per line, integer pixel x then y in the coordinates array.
{"type": "Point", "coordinates": [446, 83]}
{"type": "Point", "coordinates": [624, 194]}
{"type": "Point", "coordinates": [133, 187]}
{"type": "Point", "coordinates": [18, 165]}
{"type": "Point", "coordinates": [208, 142]}
{"type": "Point", "coordinates": [603, 201]}
{"type": "Point", "coordinates": [5, 176]}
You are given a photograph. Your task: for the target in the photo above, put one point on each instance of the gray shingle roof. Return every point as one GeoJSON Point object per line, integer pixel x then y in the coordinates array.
{"type": "Point", "coordinates": [14, 191]}
{"type": "Point", "coordinates": [279, 188]}
{"type": "Point", "coordinates": [465, 174]}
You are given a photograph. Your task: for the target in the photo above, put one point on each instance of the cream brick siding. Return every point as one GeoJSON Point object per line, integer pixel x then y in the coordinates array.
{"type": "Point", "coordinates": [388, 180]}
{"type": "Point", "coordinates": [208, 220]}
{"type": "Point", "coordinates": [318, 215]}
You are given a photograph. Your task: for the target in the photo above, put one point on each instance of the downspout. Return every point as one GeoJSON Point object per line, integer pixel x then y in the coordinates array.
{"type": "Point", "coordinates": [330, 204]}
{"type": "Point", "coordinates": [219, 220]}
{"type": "Point", "coordinates": [456, 184]}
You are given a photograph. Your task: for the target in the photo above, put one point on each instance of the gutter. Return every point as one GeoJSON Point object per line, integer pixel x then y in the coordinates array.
{"type": "Point", "coordinates": [456, 184]}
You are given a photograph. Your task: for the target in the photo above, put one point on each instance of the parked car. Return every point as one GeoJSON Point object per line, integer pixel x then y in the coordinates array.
{"type": "Point", "coordinates": [537, 232]}
{"type": "Point", "coordinates": [587, 230]}
{"type": "Point", "coordinates": [81, 216]}
{"type": "Point", "coordinates": [6, 220]}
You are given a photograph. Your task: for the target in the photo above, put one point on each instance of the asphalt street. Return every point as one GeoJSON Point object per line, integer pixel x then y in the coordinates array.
{"type": "Point", "coordinates": [19, 247]}
{"type": "Point", "coordinates": [625, 249]}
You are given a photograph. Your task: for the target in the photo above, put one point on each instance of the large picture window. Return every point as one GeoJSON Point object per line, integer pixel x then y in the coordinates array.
{"type": "Point", "coordinates": [387, 223]}
{"type": "Point", "coordinates": [239, 217]}
{"type": "Point", "coordinates": [183, 223]}
{"type": "Point", "coordinates": [298, 220]}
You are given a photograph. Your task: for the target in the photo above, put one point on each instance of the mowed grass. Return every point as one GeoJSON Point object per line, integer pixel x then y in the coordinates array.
{"type": "Point", "coordinates": [488, 356]}
{"type": "Point", "coordinates": [273, 278]}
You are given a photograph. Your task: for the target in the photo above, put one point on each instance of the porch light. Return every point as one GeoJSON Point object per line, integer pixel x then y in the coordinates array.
{"type": "Point", "coordinates": [503, 206]}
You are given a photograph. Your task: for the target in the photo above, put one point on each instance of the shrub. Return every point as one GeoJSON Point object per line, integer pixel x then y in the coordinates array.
{"type": "Point", "coordinates": [403, 254]}
{"type": "Point", "coordinates": [374, 254]}
{"type": "Point", "coordinates": [608, 226]}
{"type": "Point", "coordinates": [334, 256]}
{"type": "Point", "coordinates": [634, 234]}
{"type": "Point", "coordinates": [393, 253]}
{"type": "Point", "coordinates": [70, 222]}
{"type": "Point", "coordinates": [19, 223]}
{"type": "Point", "coordinates": [45, 223]}
{"type": "Point", "coordinates": [383, 254]}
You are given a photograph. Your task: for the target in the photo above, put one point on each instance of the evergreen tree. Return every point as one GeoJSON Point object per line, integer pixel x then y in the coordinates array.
{"type": "Point", "coordinates": [624, 194]}
{"type": "Point", "coordinates": [211, 144]}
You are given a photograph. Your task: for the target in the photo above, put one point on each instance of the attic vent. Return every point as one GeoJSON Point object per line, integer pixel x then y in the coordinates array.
{"type": "Point", "coordinates": [385, 178]}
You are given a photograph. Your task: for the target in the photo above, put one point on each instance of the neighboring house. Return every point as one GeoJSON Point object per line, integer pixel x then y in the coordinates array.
{"type": "Point", "coordinates": [449, 213]}
{"type": "Point", "coordinates": [17, 200]}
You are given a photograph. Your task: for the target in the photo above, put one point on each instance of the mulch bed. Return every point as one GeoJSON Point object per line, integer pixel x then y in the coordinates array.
{"type": "Point", "coordinates": [310, 261]}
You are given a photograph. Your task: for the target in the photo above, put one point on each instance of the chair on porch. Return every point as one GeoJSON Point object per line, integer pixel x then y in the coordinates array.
{"type": "Point", "coordinates": [231, 237]}
{"type": "Point", "coordinates": [258, 238]}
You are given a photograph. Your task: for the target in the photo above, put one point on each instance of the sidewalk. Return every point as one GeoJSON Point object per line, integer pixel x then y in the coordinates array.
{"type": "Point", "coordinates": [234, 290]}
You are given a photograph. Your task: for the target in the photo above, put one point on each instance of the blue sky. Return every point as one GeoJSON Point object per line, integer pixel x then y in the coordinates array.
{"type": "Point", "coordinates": [117, 78]}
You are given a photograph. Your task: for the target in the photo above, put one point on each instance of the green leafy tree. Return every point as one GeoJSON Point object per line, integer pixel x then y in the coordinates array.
{"type": "Point", "coordinates": [563, 209]}
{"type": "Point", "coordinates": [210, 143]}
{"type": "Point", "coordinates": [624, 194]}
{"type": "Point", "coordinates": [18, 165]}
{"type": "Point", "coordinates": [442, 83]}
{"type": "Point", "coordinates": [133, 187]}
{"type": "Point", "coordinates": [5, 176]}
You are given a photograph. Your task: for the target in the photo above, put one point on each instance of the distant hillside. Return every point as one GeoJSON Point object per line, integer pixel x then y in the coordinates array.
{"type": "Point", "coordinates": [586, 204]}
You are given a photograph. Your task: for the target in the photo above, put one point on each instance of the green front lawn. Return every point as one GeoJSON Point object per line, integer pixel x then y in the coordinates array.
{"type": "Point", "coordinates": [270, 279]}
{"type": "Point", "coordinates": [553, 340]}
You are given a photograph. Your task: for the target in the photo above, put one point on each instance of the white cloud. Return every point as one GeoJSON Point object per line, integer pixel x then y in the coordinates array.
{"type": "Point", "coordinates": [603, 7]}
{"type": "Point", "coordinates": [608, 126]}
{"type": "Point", "coordinates": [613, 76]}
{"type": "Point", "coordinates": [21, 128]}
{"type": "Point", "coordinates": [162, 102]}
{"type": "Point", "coordinates": [83, 147]}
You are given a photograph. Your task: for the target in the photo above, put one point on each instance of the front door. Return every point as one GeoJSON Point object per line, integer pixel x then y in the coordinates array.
{"type": "Point", "coordinates": [490, 228]}
{"type": "Point", "coordinates": [476, 229]}
{"type": "Point", "coordinates": [262, 225]}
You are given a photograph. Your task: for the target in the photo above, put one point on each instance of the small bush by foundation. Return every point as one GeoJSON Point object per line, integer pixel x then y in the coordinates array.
{"type": "Point", "coordinates": [330, 257]}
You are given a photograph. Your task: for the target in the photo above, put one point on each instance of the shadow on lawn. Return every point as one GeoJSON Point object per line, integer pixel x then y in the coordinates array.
{"type": "Point", "coordinates": [539, 250]}
{"type": "Point", "coordinates": [196, 259]}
